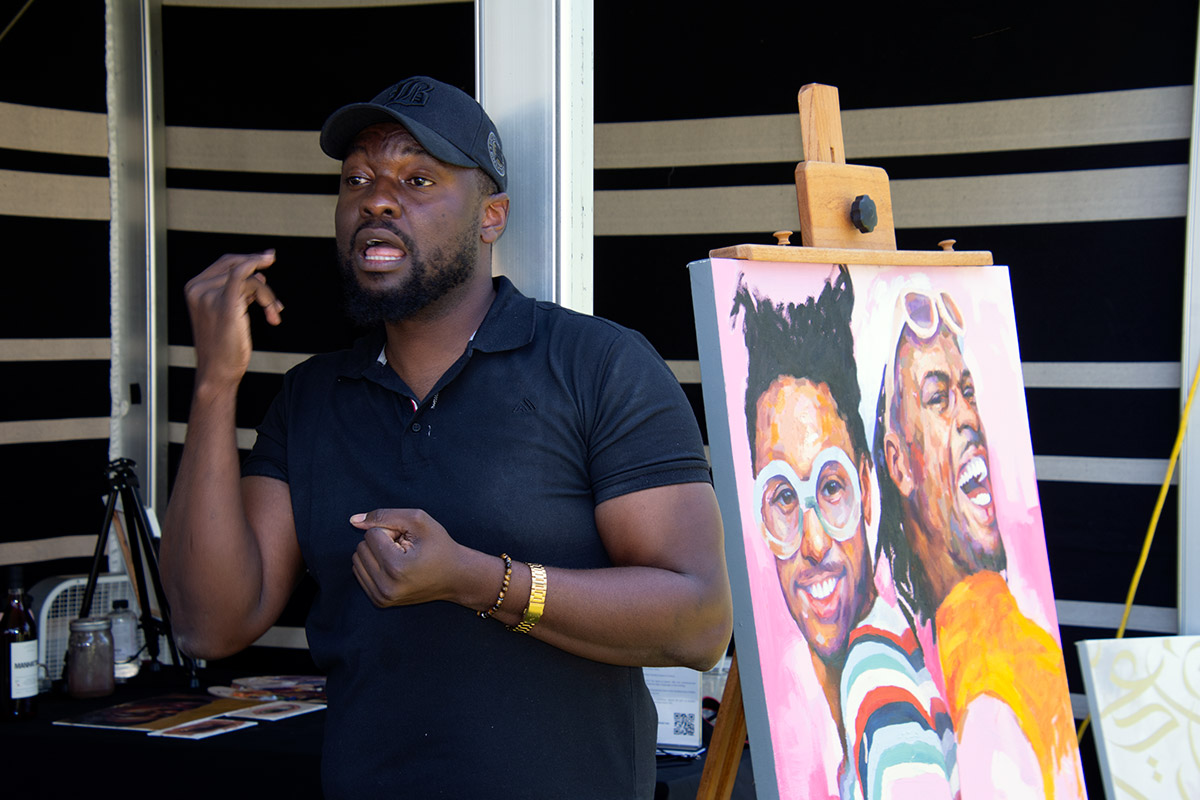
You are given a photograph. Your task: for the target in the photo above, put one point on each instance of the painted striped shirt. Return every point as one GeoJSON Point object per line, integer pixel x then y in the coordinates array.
{"type": "Point", "coordinates": [899, 737]}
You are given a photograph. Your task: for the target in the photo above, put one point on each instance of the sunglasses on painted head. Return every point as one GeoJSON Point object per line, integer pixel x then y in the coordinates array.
{"type": "Point", "coordinates": [782, 499]}
{"type": "Point", "coordinates": [925, 311]}
{"type": "Point", "coordinates": [923, 314]}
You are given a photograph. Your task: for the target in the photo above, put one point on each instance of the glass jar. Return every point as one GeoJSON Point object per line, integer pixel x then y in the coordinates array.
{"type": "Point", "coordinates": [90, 657]}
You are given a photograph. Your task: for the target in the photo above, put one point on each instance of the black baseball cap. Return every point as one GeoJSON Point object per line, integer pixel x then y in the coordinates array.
{"type": "Point", "coordinates": [447, 122]}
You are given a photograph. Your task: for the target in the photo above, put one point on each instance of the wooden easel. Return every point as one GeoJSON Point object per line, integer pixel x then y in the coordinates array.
{"type": "Point", "coordinates": [845, 218]}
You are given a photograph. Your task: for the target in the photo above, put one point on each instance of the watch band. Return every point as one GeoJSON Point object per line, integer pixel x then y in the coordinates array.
{"type": "Point", "coordinates": [537, 600]}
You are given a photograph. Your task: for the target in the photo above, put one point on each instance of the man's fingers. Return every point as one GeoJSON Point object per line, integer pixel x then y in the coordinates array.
{"type": "Point", "coordinates": [265, 296]}
{"type": "Point", "coordinates": [363, 576]}
{"type": "Point", "coordinates": [239, 272]}
{"type": "Point", "coordinates": [386, 544]}
{"type": "Point", "coordinates": [396, 519]}
{"type": "Point", "coordinates": [378, 566]}
{"type": "Point", "coordinates": [244, 276]}
{"type": "Point", "coordinates": [243, 263]}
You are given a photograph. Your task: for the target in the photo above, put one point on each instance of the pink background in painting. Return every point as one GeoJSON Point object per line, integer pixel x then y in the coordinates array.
{"type": "Point", "coordinates": [804, 738]}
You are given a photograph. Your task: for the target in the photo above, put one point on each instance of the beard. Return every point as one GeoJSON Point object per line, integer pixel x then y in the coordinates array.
{"type": "Point", "coordinates": [430, 278]}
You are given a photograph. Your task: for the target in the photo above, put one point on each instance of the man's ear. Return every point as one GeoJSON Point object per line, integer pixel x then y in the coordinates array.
{"type": "Point", "coordinates": [495, 217]}
{"type": "Point", "coordinates": [864, 482]}
{"type": "Point", "coordinates": [895, 455]}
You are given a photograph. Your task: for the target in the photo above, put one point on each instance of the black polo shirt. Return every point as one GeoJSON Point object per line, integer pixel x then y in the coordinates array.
{"type": "Point", "coordinates": [546, 414]}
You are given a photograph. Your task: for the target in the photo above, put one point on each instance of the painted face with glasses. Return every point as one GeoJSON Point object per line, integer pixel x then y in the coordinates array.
{"type": "Point", "coordinates": [811, 510]}
{"type": "Point", "coordinates": [936, 449]}
{"type": "Point", "coordinates": [832, 492]}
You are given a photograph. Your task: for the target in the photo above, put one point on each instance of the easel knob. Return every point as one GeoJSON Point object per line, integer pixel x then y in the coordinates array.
{"type": "Point", "coordinates": [783, 238]}
{"type": "Point", "coordinates": [863, 214]}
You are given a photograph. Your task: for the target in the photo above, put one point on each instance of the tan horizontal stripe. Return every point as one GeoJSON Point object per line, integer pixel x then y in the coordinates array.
{"type": "Point", "coordinates": [1101, 375]}
{"type": "Point", "coordinates": [1077, 196]}
{"type": "Point", "coordinates": [1050, 374]}
{"type": "Point", "coordinates": [1036, 374]}
{"type": "Point", "coordinates": [243, 150]}
{"type": "Point", "coordinates": [301, 4]}
{"type": "Point", "coordinates": [1136, 115]}
{"type": "Point", "coordinates": [1023, 124]}
{"type": "Point", "coordinates": [47, 549]}
{"type": "Point", "coordinates": [657, 212]}
{"type": "Point", "coordinates": [53, 430]}
{"type": "Point", "coordinates": [53, 130]}
{"type": "Point", "coordinates": [685, 371]}
{"type": "Point", "coordinates": [1098, 469]}
{"type": "Point", "coordinates": [284, 636]}
{"type": "Point", "coordinates": [1029, 199]}
{"type": "Point", "coordinates": [255, 213]}
{"type": "Point", "coordinates": [1068, 469]}
{"type": "Point", "coordinates": [279, 363]}
{"type": "Point", "coordinates": [765, 139]}
{"type": "Point", "coordinates": [1091, 614]}
{"type": "Point", "coordinates": [177, 432]}
{"type": "Point", "coordinates": [39, 194]}
{"type": "Point", "coordinates": [260, 361]}
{"type": "Point", "coordinates": [55, 349]}
{"type": "Point", "coordinates": [1079, 705]}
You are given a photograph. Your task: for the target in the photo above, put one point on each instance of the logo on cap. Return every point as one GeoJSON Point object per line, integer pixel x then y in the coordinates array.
{"type": "Point", "coordinates": [412, 93]}
{"type": "Point", "coordinates": [493, 146]}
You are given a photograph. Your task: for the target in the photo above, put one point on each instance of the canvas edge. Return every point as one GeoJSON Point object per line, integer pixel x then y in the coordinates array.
{"type": "Point", "coordinates": [1089, 688]}
{"type": "Point", "coordinates": [720, 448]}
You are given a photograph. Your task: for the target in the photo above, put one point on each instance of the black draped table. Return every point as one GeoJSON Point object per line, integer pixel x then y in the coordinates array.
{"type": "Point", "coordinates": [280, 759]}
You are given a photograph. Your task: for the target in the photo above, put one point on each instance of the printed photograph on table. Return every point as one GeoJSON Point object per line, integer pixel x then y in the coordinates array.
{"type": "Point", "coordinates": [870, 445]}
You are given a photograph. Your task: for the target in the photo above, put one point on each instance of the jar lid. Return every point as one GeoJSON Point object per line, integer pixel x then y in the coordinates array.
{"type": "Point", "coordinates": [91, 624]}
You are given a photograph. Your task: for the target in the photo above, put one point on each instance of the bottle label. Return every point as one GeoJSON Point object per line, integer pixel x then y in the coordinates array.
{"type": "Point", "coordinates": [23, 659]}
{"type": "Point", "coordinates": [124, 634]}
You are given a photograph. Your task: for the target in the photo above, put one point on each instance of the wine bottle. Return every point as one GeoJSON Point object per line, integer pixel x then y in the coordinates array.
{"type": "Point", "coordinates": [19, 646]}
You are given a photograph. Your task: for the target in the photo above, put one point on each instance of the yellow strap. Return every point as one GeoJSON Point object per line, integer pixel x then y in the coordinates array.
{"type": "Point", "coordinates": [1158, 507]}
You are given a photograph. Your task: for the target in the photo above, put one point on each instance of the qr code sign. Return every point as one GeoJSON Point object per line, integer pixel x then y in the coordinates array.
{"type": "Point", "coordinates": [685, 724]}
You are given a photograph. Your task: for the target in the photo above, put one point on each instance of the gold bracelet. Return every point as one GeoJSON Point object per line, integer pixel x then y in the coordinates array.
{"type": "Point", "coordinates": [537, 600]}
{"type": "Point", "coordinates": [503, 589]}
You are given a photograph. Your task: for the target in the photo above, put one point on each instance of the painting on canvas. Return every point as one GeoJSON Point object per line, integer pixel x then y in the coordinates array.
{"type": "Point", "coordinates": [1144, 696]}
{"type": "Point", "coordinates": [896, 628]}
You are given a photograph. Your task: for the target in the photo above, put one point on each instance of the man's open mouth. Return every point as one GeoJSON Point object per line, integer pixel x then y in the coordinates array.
{"type": "Point", "coordinates": [973, 481]}
{"type": "Point", "coordinates": [378, 251]}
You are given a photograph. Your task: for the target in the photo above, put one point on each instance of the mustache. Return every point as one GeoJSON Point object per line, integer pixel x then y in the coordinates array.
{"type": "Point", "coordinates": [974, 437]}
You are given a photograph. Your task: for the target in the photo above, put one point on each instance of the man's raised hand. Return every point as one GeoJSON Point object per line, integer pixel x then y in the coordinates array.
{"type": "Point", "coordinates": [218, 301]}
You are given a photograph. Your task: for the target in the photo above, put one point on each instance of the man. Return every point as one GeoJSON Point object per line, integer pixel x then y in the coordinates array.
{"type": "Point", "coordinates": [812, 500]}
{"type": "Point", "coordinates": [947, 556]}
{"type": "Point", "coordinates": [479, 454]}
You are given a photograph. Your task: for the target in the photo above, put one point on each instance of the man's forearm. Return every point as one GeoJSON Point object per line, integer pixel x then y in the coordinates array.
{"type": "Point", "coordinates": [210, 560]}
{"type": "Point", "coordinates": [637, 616]}
{"type": "Point", "coordinates": [665, 602]}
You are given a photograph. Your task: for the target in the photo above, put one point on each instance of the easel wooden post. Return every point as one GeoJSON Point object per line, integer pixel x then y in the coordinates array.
{"type": "Point", "coordinates": [845, 216]}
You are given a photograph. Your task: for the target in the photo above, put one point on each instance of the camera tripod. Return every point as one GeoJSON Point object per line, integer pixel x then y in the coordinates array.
{"type": "Point", "coordinates": [123, 483]}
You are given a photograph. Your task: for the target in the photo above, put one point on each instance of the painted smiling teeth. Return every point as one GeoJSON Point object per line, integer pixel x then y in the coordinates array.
{"type": "Point", "coordinates": [822, 589]}
{"type": "Point", "coordinates": [970, 481]}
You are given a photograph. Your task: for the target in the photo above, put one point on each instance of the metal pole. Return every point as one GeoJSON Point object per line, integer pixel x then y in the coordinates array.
{"type": "Point", "coordinates": [534, 76]}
